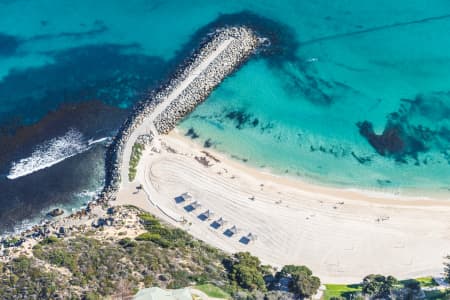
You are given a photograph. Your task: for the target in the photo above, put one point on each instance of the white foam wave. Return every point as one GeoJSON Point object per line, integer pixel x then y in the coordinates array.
{"type": "Point", "coordinates": [101, 140]}
{"type": "Point", "coordinates": [50, 153]}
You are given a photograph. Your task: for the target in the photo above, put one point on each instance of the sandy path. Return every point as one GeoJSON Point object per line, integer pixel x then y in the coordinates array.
{"type": "Point", "coordinates": [148, 125]}
{"type": "Point", "coordinates": [295, 223]}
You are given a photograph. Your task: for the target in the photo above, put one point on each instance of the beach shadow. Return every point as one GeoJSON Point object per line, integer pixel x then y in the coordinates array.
{"type": "Point", "coordinates": [244, 240]}
{"type": "Point", "coordinates": [179, 199]}
{"type": "Point", "coordinates": [228, 233]}
{"type": "Point", "coordinates": [215, 225]}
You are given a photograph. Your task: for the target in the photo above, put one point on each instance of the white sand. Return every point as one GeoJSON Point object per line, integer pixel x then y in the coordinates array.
{"type": "Point", "coordinates": [295, 222]}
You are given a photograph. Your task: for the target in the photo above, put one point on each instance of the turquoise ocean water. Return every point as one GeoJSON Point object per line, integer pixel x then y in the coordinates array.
{"type": "Point", "coordinates": [349, 93]}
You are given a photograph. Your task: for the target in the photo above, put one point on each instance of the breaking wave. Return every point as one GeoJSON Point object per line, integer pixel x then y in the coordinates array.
{"type": "Point", "coordinates": [52, 152]}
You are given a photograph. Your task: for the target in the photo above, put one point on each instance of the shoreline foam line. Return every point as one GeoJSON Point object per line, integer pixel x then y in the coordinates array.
{"type": "Point", "coordinates": [224, 51]}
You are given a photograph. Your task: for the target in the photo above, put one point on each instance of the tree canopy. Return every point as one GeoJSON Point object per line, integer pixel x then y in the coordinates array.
{"type": "Point", "coordinates": [302, 282]}
{"type": "Point", "coordinates": [247, 272]}
{"type": "Point", "coordinates": [378, 285]}
{"type": "Point", "coordinates": [447, 268]}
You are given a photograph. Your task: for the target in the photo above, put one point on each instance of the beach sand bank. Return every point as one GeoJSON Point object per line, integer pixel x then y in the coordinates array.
{"type": "Point", "coordinates": [342, 235]}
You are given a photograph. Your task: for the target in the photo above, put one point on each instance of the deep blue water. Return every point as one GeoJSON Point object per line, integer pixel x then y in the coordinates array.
{"type": "Point", "coordinates": [350, 93]}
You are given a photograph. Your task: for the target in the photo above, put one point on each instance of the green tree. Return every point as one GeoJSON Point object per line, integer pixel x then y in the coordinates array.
{"type": "Point", "coordinates": [378, 285]}
{"type": "Point", "coordinates": [247, 272]}
{"type": "Point", "coordinates": [447, 268]}
{"type": "Point", "coordinates": [302, 282]}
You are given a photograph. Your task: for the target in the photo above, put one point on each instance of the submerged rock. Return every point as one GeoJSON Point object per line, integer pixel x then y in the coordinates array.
{"type": "Point", "coordinates": [56, 212]}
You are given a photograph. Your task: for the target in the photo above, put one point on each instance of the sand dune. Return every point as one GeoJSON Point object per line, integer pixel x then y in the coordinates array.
{"type": "Point", "coordinates": [341, 235]}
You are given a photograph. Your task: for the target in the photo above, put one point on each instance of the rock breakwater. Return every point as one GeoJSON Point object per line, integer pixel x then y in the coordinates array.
{"type": "Point", "coordinates": [242, 43]}
{"type": "Point", "coordinates": [219, 55]}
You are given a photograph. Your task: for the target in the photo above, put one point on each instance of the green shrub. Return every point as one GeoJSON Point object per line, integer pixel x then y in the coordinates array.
{"type": "Point", "coordinates": [149, 220]}
{"type": "Point", "coordinates": [127, 242]}
{"type": "Point", "coordinates": [180, 279]}
{"type": "Point", "coordinates": [49, 240]}
{"type": "Point", "coordinates": [62, 258]}
{"type": "Point", "coordinates": [91, 296]}
{"type": "Point", "coordinates": [148, 236]}
{"type": "Point", "coordinates": [148, 281]}
{"type": "Point", "coordinates": [136, 153]}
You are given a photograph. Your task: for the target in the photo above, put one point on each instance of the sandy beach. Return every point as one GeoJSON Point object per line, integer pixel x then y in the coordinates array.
{"type": "Point", "coordinates": [342, 235]}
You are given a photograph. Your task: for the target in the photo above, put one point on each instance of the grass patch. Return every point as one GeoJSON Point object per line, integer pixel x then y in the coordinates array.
{"type": "Point", "coordinates": [136, 153]}
{"type": "Point", "coordinates": [426, 281]}
{"type": "Point", "coordinates": [213, 291]}
{"type": "Point", "coordinates": [341, 290]}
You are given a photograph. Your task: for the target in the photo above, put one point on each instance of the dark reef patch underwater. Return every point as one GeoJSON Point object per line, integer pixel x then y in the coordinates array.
{"type": "Point", "coordinates": [417, 126]}
{"type": "Point", "coordinates": [78, 74]}
{"type": "Point", "coordinates": [8, 44]}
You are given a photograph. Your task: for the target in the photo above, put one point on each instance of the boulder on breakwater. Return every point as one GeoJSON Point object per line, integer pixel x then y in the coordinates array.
{"type": "Point", "coordinates": [55, 212]}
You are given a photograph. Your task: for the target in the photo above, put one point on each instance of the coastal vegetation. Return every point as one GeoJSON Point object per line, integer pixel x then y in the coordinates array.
{"type": "Point", "coordinates": [87, 266]}
{"type": "Point", "coordinates": [213, 291]}
{"type": "Point", "coordinates": [300, 280]}
{"type": "Point", "coordinates": [447, 268]}
{"type": "Point", "coordinates": [136, 153]}
{"type": "Point", "coordinates": [341, 291]}
{"type": "Point", "coordinates": [91, 266]}
{"type": "Point", "coordinates": [246, 271]}
{"type": "Point", "coordinates": [377, 286]}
